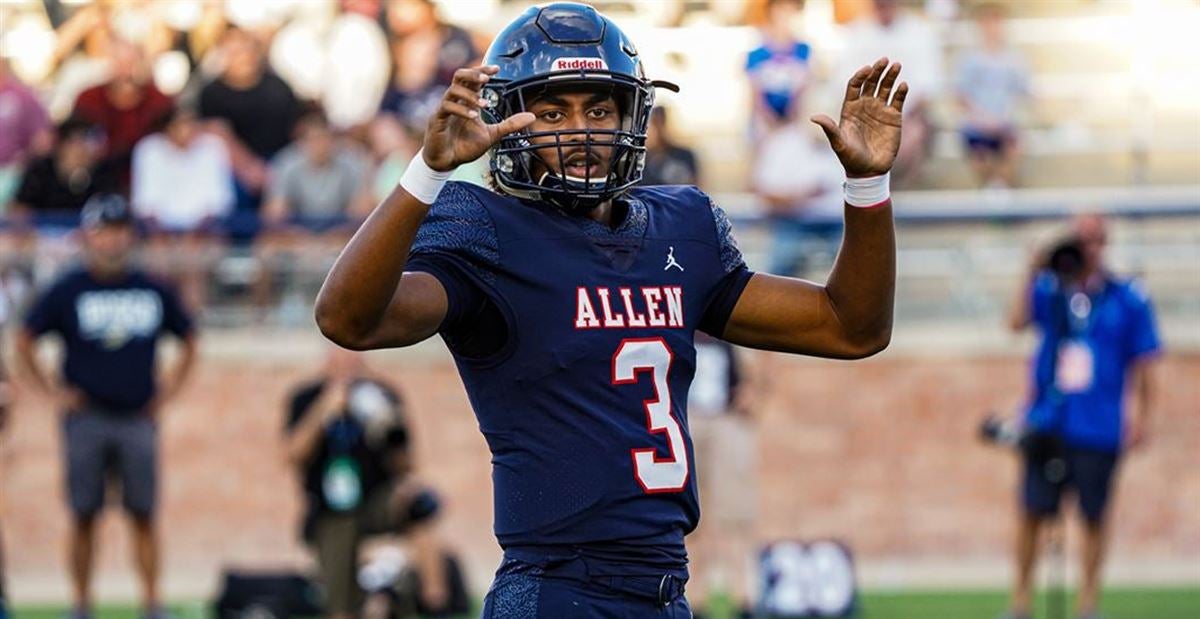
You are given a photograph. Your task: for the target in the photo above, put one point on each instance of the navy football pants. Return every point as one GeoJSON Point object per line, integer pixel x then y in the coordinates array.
{"type": "Point", "coordinates": [525, 591]}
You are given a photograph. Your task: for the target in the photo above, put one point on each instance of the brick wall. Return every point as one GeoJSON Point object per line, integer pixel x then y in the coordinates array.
{"type": "Point", "coordinates": [881, 453]}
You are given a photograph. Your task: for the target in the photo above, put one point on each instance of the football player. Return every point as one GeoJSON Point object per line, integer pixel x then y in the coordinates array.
{"type": "Point", "coordinates": [569, 297]}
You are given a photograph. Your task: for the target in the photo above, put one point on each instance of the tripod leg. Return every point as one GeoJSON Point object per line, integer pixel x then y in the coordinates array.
{"type": "Point", "coordinates": [1056, 566]}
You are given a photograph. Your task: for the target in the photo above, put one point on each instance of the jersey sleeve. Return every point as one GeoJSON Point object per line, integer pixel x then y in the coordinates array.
{"type": "Point", "coordinates": [458, 227]}
{"type": "Point", "coordinates": [457, 245]}
{"type": "Point", "coordinates": [735, 276]}
{"type": "Point", "coordinates": [1142, 335]}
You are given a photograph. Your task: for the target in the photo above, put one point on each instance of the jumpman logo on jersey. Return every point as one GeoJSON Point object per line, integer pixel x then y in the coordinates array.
{"type": "Point", "coordinates": [671, 261]}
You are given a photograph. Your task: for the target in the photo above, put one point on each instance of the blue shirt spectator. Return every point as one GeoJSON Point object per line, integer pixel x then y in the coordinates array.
{"type": "Point", "coordinates": [778, 68]}
{"type": "Point", "coordinates": [1098, 341]}
{"type": "Point", "coordinates": [1112, 328]}
{"type": "Point", "coordinates": [779, 73]}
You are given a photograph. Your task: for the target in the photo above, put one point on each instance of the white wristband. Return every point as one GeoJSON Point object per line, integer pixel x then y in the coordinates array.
{"type": "Point", "coordinates": [421, 181]}
{"type": "Point", "coordinates": [868, 192]}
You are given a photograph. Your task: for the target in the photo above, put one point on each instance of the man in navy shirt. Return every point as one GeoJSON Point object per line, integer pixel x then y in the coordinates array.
{"type": "Point", "coordinates": [569, 297]}
{"type": "Point", "coordinates": [1097, 338]}
{"type": "Point", "coordinates": [109, 316]}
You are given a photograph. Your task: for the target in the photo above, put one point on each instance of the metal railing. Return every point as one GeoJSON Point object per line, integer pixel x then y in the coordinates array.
{"type": "Point", "coordinates": [961, 255]}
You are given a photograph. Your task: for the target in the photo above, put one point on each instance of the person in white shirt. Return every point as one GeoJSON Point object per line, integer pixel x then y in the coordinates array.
{"type": "Point", "coordinates": [182, 189]}
{"type": "Point", "coordinates": [992, 83]}
{"type": "Point", "coordinates": [799, 182]}
{"type": "Point", "coordinates": [911, 40]}
{"type": "Point", "coordinates": [182, 182]}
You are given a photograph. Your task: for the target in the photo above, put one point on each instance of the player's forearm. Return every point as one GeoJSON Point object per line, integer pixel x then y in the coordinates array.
{"type": "Point", "coordinates": [862, 286]}
{"type": "Point", "coordinates": [354, 300]}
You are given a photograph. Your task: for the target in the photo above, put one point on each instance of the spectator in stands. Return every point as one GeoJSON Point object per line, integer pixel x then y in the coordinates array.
{"type": "Point", "coordinates": [393, 145]}
{"type": "Point", "coordinates": [724, 441]}
{"type": "Point", "coordinates": [909, 39]}
{"type": "Point", "coordinates": [779, 69]}
{"type": "Point", "coordinates": [183, 190]}
{"type": "Point", "coordinates": [319, 191]}
{"type": "Point", "coordinates": [426, 52]}
{"type": "Point", "coordinates": [110, 317]}
{"type": "Point", "coordinates": [1098, 338]}
{"type": "Point", "coordinates": [667, 163]}
{"type": "Point", "coordinates": [126, 108]}
{"type": "Point", "coordinates": [82, 56]}
{"type": "Point", "coordinates": [991, 82]}
{"type": "Point", "coordinates": [24, 130]}
{"type": "Point", "coordinates": [255, 112]}
{"type": "Point", "coordinates": [182, 182]}
{"type": "Point", "coordinates": [317, 182]}
{"type": "Point", "coordinates": [57, 186]}
{"type": "Point", "coordinates": [348, 439]}
{"type": "Point", "coordinates": [359, 48]}
{"type": "Point", "coordinates": [799, 181]}
{"type": "Point", "coordinates": [392, 148]}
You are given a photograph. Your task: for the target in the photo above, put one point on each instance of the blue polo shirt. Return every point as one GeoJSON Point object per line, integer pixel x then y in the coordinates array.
{"type": "Point", "coordinates": [779, 72]}
{"type": "Point", "coordinates": [110, 332]}
{"type": "Point", "coordinates": [1118, 330]}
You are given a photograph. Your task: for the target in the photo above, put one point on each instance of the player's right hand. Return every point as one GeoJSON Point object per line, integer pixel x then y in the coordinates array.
{"type": "Point", "coordinates": [456, 134]}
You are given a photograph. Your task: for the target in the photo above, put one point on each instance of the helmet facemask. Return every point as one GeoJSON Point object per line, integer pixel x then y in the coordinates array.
{"type": "Point", "coordinates": [519, 163]}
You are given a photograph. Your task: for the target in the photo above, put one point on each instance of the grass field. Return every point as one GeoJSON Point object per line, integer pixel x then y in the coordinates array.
{"type": "Point", "coordinates": [1118, 604]}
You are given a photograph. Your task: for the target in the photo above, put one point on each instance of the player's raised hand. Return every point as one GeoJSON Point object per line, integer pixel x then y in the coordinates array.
{"type": "Point", "coordinates": [456, 134]}
{"type": "Point", "coordinates": [867, 136]}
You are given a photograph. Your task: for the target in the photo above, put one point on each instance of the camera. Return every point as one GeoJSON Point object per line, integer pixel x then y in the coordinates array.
{"type": "Point", "coordinates": [1043, 448]}
{"type": "Point", "coordinates": [1065, 259]}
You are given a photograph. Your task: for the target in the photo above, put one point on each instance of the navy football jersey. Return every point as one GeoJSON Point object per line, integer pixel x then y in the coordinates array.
{"type": "Point", "coordinates": [583, 402]}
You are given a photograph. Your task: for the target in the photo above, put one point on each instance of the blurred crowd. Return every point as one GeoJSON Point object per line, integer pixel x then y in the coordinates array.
{"type": "Point", "coordinates": [210, 139]}
{"type": "Point", "coordinates": [277, 131]}
{"type": "Point", "coordinates": [243, 142]}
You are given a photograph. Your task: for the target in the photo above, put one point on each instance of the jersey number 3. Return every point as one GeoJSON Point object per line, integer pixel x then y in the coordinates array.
{"type": "Point", "coordinates": [652, 355]}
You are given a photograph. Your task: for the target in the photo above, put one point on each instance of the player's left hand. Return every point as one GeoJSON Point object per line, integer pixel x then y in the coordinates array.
{"type": "Point", "coordinates": [867, 136]}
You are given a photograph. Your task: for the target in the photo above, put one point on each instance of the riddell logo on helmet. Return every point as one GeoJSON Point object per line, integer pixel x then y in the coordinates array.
{"type": "Point", "coordinates": [579, 64]}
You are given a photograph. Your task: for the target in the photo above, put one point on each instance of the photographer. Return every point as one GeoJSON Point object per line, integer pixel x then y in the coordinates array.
{"type": "Point", "coordinates": [1097, 335]}
{"type": "Point", "coordinates": [347, 437]}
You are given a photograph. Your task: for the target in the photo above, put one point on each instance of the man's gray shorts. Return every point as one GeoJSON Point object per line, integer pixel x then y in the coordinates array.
{"type": "Point", "coordinates": [102, 446]}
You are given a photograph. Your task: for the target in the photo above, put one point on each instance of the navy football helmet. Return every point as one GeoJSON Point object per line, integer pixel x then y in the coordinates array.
{"type": "Point", "coordinates": [567, 46]}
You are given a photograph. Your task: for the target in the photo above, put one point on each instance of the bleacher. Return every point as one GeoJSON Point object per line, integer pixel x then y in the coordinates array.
{"type": "Point", "coordinates": [1111, 101]}
{"type": "Point", "coordinates": [1101, 133]}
